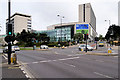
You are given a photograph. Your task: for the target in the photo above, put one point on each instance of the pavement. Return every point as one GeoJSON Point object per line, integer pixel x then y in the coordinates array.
{"type": "Point", "coordinates": [11, 71]}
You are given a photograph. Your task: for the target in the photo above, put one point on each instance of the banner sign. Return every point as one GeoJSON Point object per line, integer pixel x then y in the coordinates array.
{"type": "Point", "coordinates": [82, 26]}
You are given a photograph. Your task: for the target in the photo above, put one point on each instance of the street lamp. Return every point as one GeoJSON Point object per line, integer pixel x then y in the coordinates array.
{"type": "Point", "coordinates": [109, 25]}
{"type": "Point", "coordinates": [109, 22]}
{"type": "Point", "coordinates": [61, 18]}
{"type": "Point", "coordinates": [111, 36]}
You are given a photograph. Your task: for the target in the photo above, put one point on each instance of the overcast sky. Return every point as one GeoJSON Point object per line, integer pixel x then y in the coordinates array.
{"type": "Point", "coordinates": [44, 12]}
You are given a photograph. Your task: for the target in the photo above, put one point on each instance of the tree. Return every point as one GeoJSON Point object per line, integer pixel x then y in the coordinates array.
{"type": "Point", "coordinates": [100, 37]}
{"type": "Point", "coordinates": [42, 37]}
{"type": "Point", "coordinates": [78, 36]}
{"type": "Point", "coordinates": [26, 38]}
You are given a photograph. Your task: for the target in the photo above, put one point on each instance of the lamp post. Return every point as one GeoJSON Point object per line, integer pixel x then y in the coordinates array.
{"type": "Point", "coordinates": [61, 18]}
{"type": "Point", "coordinates": [109, 25]}
{"type": "Point", "coordinates": [109, 22]}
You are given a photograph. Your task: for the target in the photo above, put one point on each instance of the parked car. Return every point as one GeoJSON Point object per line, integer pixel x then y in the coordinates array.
{"type": "Point", "coordinates": [43, 47]}
{"type": "Point", "coordinates": [16, 48]}
{"type": "Point", "coordinates": [5, 50]}
{"type": "Point", "coordinates": [83, 46]}
{"type": "Point", "coordinates": [101, 44]}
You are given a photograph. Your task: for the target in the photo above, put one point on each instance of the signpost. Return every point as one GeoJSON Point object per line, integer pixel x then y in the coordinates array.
{"type": "Point", "coordinates": [96, 39]}
{"type": "Point", "coordinates": [86, 38]}
{"type": "Point", "coordinates": [9, 36]}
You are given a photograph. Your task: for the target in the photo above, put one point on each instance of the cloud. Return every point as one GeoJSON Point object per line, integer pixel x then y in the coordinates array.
{"type": "Point", "coordinates": [44, 12]}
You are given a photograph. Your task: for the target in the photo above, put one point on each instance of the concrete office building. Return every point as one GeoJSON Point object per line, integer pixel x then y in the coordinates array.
{"type": "Point", "coordinates": [20, 22]}
{"type": "Point", "coordinates": [86, 15]}
{"type": "Point", "coordinates": [119, 13]}
{"type": "Point", "coordinates": [85, 25]}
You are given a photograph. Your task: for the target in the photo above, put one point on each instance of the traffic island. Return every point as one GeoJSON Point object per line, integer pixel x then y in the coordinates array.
{"type": "Point", "coordinates": [42, 49]}
{"type": "Point", "coordinates": [99, 54]}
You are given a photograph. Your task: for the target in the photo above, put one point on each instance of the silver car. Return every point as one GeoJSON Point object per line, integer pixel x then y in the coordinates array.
{"type": "Point", "coordinates": [43, 47]}
{"type": "Point", "coordinates": [16, 48]}
{"type": "Point", "coordinates": [5, 50]}
{"type": "Point", "coordinates": [83, 46]}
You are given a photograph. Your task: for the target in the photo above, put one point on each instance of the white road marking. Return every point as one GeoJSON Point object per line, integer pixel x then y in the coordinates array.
{"type": "Point", "coordinates": [102, 75]}
{"type": "Point", "coordinates": [70, 55]}
{"type": "Point", "coordinates": [62, 59]}
{"type": "Point", "coordinates": [5, 57]}
{"type": "Point", "coordinates": [69, 58]}
{"type": "Point", "coordinates": [54, 60]}
{"type": "Point", "coordinates": [5, 54]}
{"type": "Point", "coordinates": [43, 61]}
{"type": "Point", "coordinates": [27, 76]}
{"type": "Point", "coordinates": [72, 65]}
{"type": "Point", "coordinates": [24, 72]}
{"type": "Point", "coordinates": [57, 53]}
{"type": "Point", "coordinates": [76, 55]}
{"type": "Point", "coordinates": [99, 60]}
{"type": "Point", "coordinates": [34, 62]}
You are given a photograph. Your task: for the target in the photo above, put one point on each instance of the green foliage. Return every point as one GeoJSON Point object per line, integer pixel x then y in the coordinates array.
{"type": "Point", "coordinates": [52, 44]}
{"type": "Point", "coordinates": [28, 39]}
{"type": "Point", "coordinates": [101, 37]}
{"type": "Point", "coordinates": [78, 36]}
{"type": "Point", "coordinates": [42, 37]}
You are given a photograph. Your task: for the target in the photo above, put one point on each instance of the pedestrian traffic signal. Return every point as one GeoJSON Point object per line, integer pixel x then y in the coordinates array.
{"type": "Point", "coordinates": [85, 36]}
{"type": "Point", "coordinates": [9, 29]}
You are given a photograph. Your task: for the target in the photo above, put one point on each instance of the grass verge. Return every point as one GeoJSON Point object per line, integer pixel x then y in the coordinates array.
{"type": "Point", "coordinates": [26, 48]}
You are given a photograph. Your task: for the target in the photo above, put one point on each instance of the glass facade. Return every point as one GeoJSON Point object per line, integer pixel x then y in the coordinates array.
{"type": "Point", "coordinates": [58, 34]}
{"type": "Point", "coordinates": [63, 34]}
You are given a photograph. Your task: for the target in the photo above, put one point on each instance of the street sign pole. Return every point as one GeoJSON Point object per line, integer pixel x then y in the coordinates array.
{"type": "Point", "coordinates": [9, 43]}
{"type": "Point", "coordinates": [96, 45]}
{"type": "Point", "coordinates": [9, 52]}
{"type": "Point", "coordinates": [86, 42]}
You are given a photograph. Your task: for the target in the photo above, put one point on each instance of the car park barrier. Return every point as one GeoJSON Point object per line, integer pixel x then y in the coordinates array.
{"type": "Point", "coordinates": [13, 58]}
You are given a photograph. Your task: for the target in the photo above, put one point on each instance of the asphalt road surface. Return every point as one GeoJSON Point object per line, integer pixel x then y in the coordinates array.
{"type": "Point", "coordinates": [67, 63]}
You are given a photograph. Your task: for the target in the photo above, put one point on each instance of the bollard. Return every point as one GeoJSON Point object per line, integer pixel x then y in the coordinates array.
{"type": "Point", "coordinates": [13, 58]}
{"type": "Point", "coordinates": [81, 49]}
{"type": "Point", "coordinates": [63, 47]}
{"type": "Point", "coordinates": [109, 50]}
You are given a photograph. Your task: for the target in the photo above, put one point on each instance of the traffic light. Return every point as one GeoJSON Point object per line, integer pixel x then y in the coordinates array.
{"type": "Point", "coordinates": [85, 36]}
{"type": "Point", "coordinates": [9, 29]}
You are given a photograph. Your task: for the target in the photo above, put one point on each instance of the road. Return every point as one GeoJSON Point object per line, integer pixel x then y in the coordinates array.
{"type": "Point", "coordinates": [67, 63]}
{"type": "Point", "coordinates": [1, 50]}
